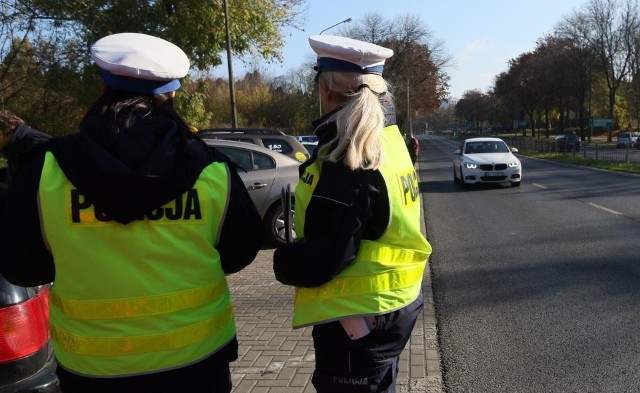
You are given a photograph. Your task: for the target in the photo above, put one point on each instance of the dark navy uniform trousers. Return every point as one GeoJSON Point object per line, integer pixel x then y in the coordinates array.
{"type": "Point", "coordinates": [365, 365]}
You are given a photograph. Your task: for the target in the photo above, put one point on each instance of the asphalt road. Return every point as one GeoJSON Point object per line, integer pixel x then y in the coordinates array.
{"type": "Point", "coordinates": [536, 288]}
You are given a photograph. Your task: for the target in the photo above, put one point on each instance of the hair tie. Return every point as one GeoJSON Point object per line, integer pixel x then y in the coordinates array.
{"type": "Point", "coordinates": [362, 86]}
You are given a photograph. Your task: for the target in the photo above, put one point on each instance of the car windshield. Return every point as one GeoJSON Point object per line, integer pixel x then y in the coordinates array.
{"type": "Point", "coordinates": [485, 147]}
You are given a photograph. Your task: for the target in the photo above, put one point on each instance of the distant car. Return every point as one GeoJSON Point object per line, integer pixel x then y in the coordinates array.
{"type": "Point", "coordinates": [627, 139]}
{"type": "Point", "coordinates": [307, 138]}
{"type": "Point", "coordinates": [567, 142]}
{"type": "Point", "coordinates": [486, 160]}
{"type": "Point", "coordinates": [269, 138]}
{"type": "Point", "coordinates": [266, 173]}
{"type": "Point", "coordinates": [310, 146]}
{"type": "Point", "coordinates": [27, 363]}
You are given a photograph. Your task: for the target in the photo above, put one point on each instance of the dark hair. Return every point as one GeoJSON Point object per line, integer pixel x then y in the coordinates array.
{"type": "Point", "coordinates": [9, 121]}
{"type": "Point", "coordinates": [118, 109]}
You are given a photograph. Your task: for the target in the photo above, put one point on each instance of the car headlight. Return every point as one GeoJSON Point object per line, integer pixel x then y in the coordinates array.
{"type": "Point", "coordinates": [471, 165]}
{"type": "Point", "coordinates": [513, 164]}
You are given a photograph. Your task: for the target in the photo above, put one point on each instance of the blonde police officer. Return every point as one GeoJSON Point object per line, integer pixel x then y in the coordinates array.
{"type": "Point", "coordinates": [136, 222]}
{"type": "Point", "coordinates": [358, 264]}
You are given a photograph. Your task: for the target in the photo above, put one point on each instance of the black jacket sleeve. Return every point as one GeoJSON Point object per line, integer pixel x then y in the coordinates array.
{"type": "Point", "coordinates": [23, 140]}
{"type": "Point", "coordinates": [340, 214]}
{"type": "Point", "coordinates": [242, 231]}
{"type": "Point", "coordinates": [24, 257]}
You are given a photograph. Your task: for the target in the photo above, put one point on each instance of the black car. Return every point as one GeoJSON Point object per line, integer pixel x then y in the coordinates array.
{"type": "Point", "coordinates": [567, 142]}
{"type": "Point", "coordinates": [27, 363]}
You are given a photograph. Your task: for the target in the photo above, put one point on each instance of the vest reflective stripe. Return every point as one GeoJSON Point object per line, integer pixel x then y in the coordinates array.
{"type": "Point", "coordinates": [118, 346]}
{"type": "Point", "coordinates": [387, 272]}
{"type": "Point", "coordinates": [402, 277]}
{"type": "Point", "coordinates": [390, 255]}
{"type": "Point", "coordinates": [138, 307]}
{"type": "Point", "coordinates": [119, 306]}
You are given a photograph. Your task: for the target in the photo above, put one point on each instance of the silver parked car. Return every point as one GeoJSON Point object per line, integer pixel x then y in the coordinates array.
{"type": "Point", "coordinates": [267, 171]}
{"type": "Point", "coordinates": [627, 138]}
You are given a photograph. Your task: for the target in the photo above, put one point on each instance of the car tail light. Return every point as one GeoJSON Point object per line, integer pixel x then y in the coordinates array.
{"type": "Point", "coordinates": [24, 327]}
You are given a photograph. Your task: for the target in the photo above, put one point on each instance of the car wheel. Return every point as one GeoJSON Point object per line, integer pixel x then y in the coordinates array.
{"type": "Point", "coordinates": [274, 226]}
{"type": "Point", "coordinates": [455, 177]}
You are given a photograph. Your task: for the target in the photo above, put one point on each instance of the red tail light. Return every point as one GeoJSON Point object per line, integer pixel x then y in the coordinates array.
{"type": "Point", "coordinates": [24, 327]}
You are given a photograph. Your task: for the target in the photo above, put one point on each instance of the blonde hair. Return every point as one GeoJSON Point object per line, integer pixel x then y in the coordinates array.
{"type": "Point", "coordinates": [361, 119]}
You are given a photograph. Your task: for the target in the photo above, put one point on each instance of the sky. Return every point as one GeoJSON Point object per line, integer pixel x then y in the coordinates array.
{"type": "Point", "coordinates": [481, 36]}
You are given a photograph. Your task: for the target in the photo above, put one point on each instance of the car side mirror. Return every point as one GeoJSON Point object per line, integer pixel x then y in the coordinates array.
{"type": "Point", "coordinates": [514, 150]}
{"type": "Point", "coordinates": [457, 152]}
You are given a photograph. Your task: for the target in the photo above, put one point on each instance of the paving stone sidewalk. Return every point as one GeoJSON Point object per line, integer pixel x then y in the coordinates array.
{"type": "Point", "coordinates": [274, 358]}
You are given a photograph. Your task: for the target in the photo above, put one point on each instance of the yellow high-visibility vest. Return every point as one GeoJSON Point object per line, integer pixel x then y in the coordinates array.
{"type": "Point", "coordinates": [137, 298]}
{"type": "Point", "coordinates": [387, 272]}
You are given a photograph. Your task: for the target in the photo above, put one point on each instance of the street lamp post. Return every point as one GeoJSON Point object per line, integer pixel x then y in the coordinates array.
{"type": "Point", "coordinates": [232, 94]}
{"type": "Point", "coordinates": [409, 107]}
{"type": "Point", "coordinates": [339, 23]}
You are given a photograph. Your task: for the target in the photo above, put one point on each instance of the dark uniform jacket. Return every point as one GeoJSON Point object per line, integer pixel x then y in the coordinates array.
{"type": "Point", "coordinates": [151, 164]}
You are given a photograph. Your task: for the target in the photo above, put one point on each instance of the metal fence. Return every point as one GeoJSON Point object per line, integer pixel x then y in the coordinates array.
{"type": "Point", "coordinates": [594, 151]}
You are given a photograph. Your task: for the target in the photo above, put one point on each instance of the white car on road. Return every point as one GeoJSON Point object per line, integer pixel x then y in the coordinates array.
{"type": "Point", "coordinates": [486, 160]}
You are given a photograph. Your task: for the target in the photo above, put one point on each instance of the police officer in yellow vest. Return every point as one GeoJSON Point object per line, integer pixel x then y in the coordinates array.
{"type": "Point", "coordinates": [136, 222]}
{"type": "Point", "coordinates": [359, 258]}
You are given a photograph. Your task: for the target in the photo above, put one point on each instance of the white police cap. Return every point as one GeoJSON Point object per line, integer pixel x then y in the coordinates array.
{"type": "Point", "coordinates": [347, 54]}
{"type": "Point", "coordinates": [140, 63]}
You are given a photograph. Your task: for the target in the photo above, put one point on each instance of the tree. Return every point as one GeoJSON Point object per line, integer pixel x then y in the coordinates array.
{"type": "Point", "coordinates": [518, 87]}
{"type": "Point", "coordinates": [579, 62]}
{"type": "Point", "coordinates": [473, 107]}
{"type": "Point", "coordinates": [610, 27]}
{"type": "Point", "coordinates": [65, 29]}
{"type": "Point", "coordinates": [418, 65]}
{"type": "Point", "coordinates": [195, 26]}
{"type": "Point", "coordinates": [555, 77]}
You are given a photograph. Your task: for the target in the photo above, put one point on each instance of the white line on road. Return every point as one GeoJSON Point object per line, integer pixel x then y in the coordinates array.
{"type": "Point", "coordinates": [604, 208]}
{"type": "Point", "coordinates": [539, 185]}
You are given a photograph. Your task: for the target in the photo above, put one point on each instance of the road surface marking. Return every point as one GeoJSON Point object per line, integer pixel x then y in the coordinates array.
{"type": "Point", "coordinates": [604, 208]}
{"type": "Point", "coordinates": [539, 185]}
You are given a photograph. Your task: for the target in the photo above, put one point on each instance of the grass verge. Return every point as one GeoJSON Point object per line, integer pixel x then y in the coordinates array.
{"type": "Point", "coordinates": [631, 167]}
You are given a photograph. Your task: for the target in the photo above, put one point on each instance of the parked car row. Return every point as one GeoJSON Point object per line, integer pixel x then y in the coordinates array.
{"type": "Point", "coordinates": [626, 138]}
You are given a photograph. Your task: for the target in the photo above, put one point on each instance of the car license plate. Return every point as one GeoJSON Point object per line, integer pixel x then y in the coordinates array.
{"type": "Point", "coordinates": [491, 174]}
